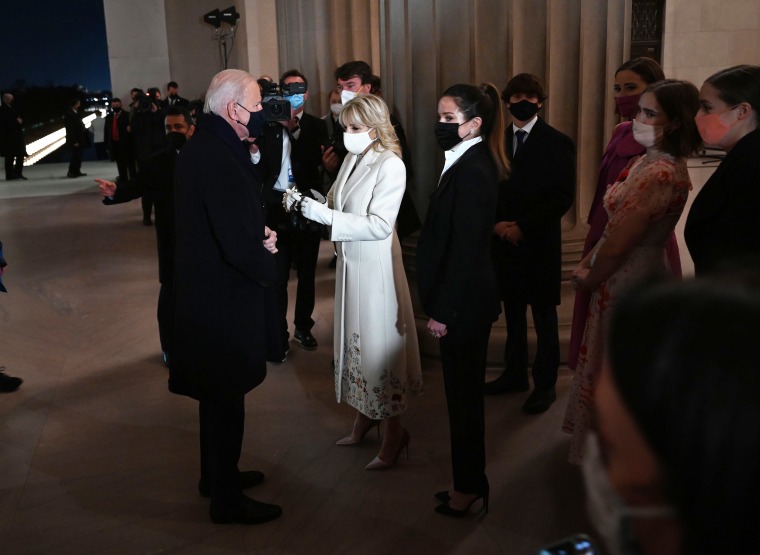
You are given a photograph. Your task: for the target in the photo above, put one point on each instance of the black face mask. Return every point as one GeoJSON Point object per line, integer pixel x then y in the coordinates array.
{"type": "Point", "coordinates": [255, 123]}
{"type": "Point", "coordinates": [524, 110]}
{"type": "Point", "coordinates": [447, 134]}
{"type": "Point", "coordinates": [173, 95]}
{"type": "Point", "coordinates": [176, 140]}
{"type": "Point", "coordinates": [116, 110]}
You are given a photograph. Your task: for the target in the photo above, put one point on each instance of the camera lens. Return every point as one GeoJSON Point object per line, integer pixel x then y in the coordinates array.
{"type": "Point", "coordinates": [277, 109]}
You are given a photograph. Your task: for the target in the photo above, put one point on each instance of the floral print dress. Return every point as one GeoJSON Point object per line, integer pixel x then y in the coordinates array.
{"type": "Point", "coordinates": [656, 187]}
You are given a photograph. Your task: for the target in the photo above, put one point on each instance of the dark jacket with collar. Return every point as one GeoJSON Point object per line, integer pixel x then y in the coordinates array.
{"type": "Point", "coordinates": [222, 268]}
{"type": "Point", "coordinates": [540, 189]}
{"type": "Point", "coordinates": [722, 222]}
{"type": "Point", "coordinates": [455, 275]}
{"type": "Point", "coordinates": [155, 181]}
{"type": "Point", "coordinates": [305, 159]}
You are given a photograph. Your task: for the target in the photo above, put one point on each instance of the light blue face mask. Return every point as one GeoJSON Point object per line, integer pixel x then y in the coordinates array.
{"type": "Point", "coordinates": [296, 100]}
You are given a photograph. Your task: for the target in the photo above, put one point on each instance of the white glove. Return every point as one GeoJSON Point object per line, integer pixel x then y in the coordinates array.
{"type": "Point", "coordinates": [316, 211]}
{"type": "Point", "coordinates": [291, 197]}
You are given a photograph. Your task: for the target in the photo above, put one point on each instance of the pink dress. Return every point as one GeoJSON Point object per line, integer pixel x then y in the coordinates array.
{"type": "Point", "coordinates": [657, 188]}
{"type": "Point", "coordinates": [618, 154]}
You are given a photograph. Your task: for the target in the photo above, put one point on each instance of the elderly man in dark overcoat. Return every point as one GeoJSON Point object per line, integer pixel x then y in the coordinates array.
{"type": "Point", "coordinates": [224, 267]}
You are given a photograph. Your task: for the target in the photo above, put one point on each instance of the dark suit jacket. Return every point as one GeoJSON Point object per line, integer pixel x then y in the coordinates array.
{"type": "Point", "coordinates": [455, 275]}
{"type": "Point", "coordinates": [305, 159]}
{"type": "Point", "coordinates": [222, 268]}
{"type": "Point", "coordinates": [122, 124]}
{"type": "Point", "coordinates": [722, 223]}
{"type": "Point", "coordinates": [155, 181]}
{"type": "Point", "coordinates": [178, 103]}
{"type": "Point", "coordinates": [540, 189]}
{"type": "Point", "coordinates": [11, 133]}
{"type": "Point", "coordinates": [76, 133]}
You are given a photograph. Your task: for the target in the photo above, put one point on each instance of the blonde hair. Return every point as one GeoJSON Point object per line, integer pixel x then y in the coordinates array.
{"type": "Point", "coordinates": [226, 86]}
{"type": "Point", "coordinates": [371, 110]}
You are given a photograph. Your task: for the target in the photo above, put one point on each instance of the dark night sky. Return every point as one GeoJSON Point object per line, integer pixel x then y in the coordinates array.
{"type": "Point", "coordinates": [52, 42]}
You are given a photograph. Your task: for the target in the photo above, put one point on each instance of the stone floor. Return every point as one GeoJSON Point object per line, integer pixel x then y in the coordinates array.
{"type": "Point", "coordinates": [96, 456]}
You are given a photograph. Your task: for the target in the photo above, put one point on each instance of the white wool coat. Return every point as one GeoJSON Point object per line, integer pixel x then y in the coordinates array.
{"type": "Point", "coordinates": [376, 355]}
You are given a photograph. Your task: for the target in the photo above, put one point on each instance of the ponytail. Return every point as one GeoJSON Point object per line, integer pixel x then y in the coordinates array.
{"type": "Point", "coordinates": [493, 131]}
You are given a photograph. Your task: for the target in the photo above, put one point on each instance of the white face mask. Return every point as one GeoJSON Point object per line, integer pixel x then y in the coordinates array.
{"type": "Point", "coordinates": [647, 135]}
{"type": "Point", "coordinates": [345, 95]}
{"type": "Point", "coordinates": [356, 143]}
{"type": "Point", "coordinates": [608, 513]}
{"type": "Point", "coordinates": [336, 108]}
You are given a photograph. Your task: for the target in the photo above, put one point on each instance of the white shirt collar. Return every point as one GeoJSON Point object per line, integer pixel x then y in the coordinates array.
{"type": "Point", "coordinates": [456, 153]}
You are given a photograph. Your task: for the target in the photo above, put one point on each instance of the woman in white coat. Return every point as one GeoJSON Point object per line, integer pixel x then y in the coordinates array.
{"type": "Point", "coordinates": [376, 356]}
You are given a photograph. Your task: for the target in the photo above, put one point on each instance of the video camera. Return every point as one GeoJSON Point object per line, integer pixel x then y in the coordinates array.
{"type": "Point", "coordinates": [144, 100]}
{"type": "Point", "coordinates": [275, 107]}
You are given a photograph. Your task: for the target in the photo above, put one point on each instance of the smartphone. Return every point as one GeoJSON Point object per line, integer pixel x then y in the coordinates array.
{"type": "Point", "coordinates": [580, 544]}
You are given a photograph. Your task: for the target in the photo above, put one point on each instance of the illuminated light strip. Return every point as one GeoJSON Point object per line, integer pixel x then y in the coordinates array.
{"type": "Point", "coordinates": [55, 140]}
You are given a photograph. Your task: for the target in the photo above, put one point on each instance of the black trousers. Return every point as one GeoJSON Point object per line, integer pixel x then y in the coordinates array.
{"type": "Point", "coordinates": [546, 364]}
{"type": "Point", "coordinates": [302, 248]}
{"type": "Point", "coordinates": [165, 314]}
{"type": "Point", "coordinates": [14, 166]}
{"type": "Point", "coordinates": [464, 351]}
{"type": "Point", "coordinates": [75, 162]}
{"type": "Point", "coordinates": [222, 419]}
{"type": "Point", "coordinates": [125, 164]}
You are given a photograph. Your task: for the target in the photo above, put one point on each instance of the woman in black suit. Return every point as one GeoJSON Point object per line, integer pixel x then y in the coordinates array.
{"type": "Point", "coordinates": [722, 222]}
{"type": "Point", "coordinates": [453, 249]}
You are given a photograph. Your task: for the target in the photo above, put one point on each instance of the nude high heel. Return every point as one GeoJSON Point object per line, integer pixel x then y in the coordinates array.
{"type": "Point", "coordinates": [378, 464]}
{"type": "Point", "coordinates": [355, 438]}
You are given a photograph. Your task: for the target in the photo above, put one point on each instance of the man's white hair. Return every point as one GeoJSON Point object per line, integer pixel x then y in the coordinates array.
{"type": "Point", "coordinates": [7, 98]}
{"type": "Point", "coordinates": [226, 86]}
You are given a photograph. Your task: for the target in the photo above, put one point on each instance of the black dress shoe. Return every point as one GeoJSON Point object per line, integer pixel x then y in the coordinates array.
{"type": "Point", "coordinates": [539, 401]}
{"type": "Point", "coordinates": [442, 496]}
{"type": "Point", "coordinates": [8, 384]}
{"type": "Point", "coordinates": [22, 177]}
{"type": "Point", "coordinates": [305, 339]}
{"type": "Point", "coordinates": [249, 511]}
{"type": "Point", "coordinates": [248, 479]}
{"type": "Point", "coordinates": [504, 384]}
{"type": "Point", "coordinates": [71, 175]}
{"type": "Point", "coordinates": [80, 174]}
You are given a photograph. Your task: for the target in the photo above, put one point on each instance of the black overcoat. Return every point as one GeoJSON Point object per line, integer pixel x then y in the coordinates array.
{"type": "Point", "coordinates": [222, 269]}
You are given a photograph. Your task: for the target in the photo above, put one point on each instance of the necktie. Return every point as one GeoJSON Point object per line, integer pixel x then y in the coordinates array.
{"type": "Point", "coordinates": [520, 134]}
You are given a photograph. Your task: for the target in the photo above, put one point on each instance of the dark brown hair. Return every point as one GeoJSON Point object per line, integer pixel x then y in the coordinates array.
{"type": "Point", "coordinates": [739, 84]}
{"type": "Point", "coordinates": [524, 83]}
{"type": "Point", "coordinates": [483, 102]}
{"type": "Point", "coordinates": [646, 68]}
{"type": "Point", "coordinates": [680, 102]}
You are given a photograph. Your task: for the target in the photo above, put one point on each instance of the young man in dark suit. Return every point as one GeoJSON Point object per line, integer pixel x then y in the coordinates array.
{"type": "Point", "coordinates": [291, 156]}
{"type": "Point", "coordinates": [528, 241]}
{"type": "Point", "coordinates": [77, 138]}
{"type": "Point", "coordinates": [173, 99]}
{"type": "Point", "coordinates": [118, 140]}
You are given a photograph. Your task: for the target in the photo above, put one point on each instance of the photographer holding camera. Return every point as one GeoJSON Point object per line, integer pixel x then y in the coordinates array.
{"type": "Point", "coordinates": [291, 156]}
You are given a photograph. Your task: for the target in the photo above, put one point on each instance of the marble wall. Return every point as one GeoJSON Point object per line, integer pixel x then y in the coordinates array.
{"type": "Point", "coordinates": [704, 36]}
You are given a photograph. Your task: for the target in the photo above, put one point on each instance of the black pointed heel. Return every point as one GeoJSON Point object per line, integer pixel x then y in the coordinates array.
{"type": "Point", "coordinates": [444, 509]}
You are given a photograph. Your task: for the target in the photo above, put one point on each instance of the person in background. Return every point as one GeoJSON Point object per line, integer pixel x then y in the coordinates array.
{"type": "Point", "coordinates": [8, 384]}
{"type": "Point", "coordinates": [643, 206]}
{"type": "Point", "coordinates": [672, 469]}
{"type": "Point", "coordinates": [223, 270]}
{"type": "Point", "coordinates": [291, 157]}
{"type": "Point", "coordinates": [527, 242]}
{"type": "Point", "coordinates": [453, 248]}
{"type": "Point", "coordinates": [722, 222]}
{"type": "Point", "coordinates": [631, 79]}
{"type": "Point", "coordinates": [12, 146]}
{"type": "Point", "coordinates": [148, 135]}
{"type": "Point", "coordinates": [77, 138]}
{"type": "Point", "coordinates": [156, 180]}
{"type": "Point", "coordinates": [118, 140]}
{"type": "Point", "coordinates": [173, 99]}
{"type": "Point", "coordinates": [375, 350]}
